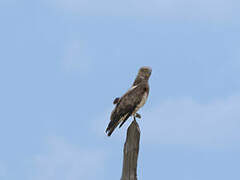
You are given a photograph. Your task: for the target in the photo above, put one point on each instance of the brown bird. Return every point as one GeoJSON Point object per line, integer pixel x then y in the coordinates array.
{"type": "Point", "coordinates": [131, 101]}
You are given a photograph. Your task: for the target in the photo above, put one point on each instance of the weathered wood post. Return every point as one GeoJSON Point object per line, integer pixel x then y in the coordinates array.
{"type": "Point", "coordinates": [131, 149]}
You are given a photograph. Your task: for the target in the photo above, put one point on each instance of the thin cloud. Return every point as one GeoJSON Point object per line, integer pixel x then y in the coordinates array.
{"type": "Point", "coordinates": [63, 161]}
{"type": "Point", "coordinates": [217, 10]}
{"type": "Point", "coordinates": [185, 121]}
{"type": "Point", "coordinates": [76, 58]}
{"type": "Point", "coordinates": [8, 2]}
{"type": "Point", "coordinates": [3, 170]}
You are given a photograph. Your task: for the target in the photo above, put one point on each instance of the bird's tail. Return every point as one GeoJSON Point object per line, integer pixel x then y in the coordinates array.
{"type": "Point", "coordinates": [111, 126]}
{"type": "Point", "coordinates": [114, 123]}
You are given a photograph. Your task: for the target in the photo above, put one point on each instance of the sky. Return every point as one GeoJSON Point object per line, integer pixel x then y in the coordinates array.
{"type": "Point", "coordinates": [63, 62]}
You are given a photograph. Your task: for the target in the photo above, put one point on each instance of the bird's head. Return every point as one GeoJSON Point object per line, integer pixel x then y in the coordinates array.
{"type": "Point", "coordinates": [145, 72]}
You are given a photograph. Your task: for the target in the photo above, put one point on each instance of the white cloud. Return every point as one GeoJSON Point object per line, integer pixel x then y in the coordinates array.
{"type": "Point", "coordinates": [185, 121]}
{"type": "Point", "coordinates": [8, 2]}
{"type": "Point", "coordinates": [3, 171]}
{"type": "Point", "coordinates": [64, 161]}
{"type": "Point", "coordinates": [76, 58]}
{"type": "Point", "coordinates": [166, 9]}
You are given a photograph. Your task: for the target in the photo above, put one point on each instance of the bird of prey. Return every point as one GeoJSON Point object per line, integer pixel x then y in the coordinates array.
{"type": "Point", "coordinates": [131, 101]}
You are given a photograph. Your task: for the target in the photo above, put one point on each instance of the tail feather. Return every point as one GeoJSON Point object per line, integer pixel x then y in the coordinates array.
{"type": "Point", "coordinates": [114, 123]}
{"type": "Point", "coordinates": [111, 126]}
{"type": "Point", "coordinates": [124, 120]}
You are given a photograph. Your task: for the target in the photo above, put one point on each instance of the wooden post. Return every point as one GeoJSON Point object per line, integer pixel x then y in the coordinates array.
{"type": "Point", "coordinates": [131, 149]}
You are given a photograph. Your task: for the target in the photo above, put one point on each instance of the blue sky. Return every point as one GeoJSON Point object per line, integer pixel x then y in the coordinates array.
{"type": "Point", "coordinates": [62, 63]}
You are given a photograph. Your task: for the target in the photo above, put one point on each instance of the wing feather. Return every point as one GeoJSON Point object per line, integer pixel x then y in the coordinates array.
{"type": "Point", "coordinates": [126, 106]}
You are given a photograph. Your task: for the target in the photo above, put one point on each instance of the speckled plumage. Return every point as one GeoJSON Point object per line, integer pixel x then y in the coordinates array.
{"type": "Point", "coordinates": [131, 101]}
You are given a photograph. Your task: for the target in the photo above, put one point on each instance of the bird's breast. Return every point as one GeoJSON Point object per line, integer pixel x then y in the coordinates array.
{"type": "Point", "coordinates": [143, 101]}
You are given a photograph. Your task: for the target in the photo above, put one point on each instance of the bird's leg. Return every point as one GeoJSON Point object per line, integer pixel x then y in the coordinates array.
{"type": "Point", "coordinates": [138, 115]}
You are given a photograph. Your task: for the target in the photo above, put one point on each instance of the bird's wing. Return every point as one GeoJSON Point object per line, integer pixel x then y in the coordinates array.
{"type": "Point", "coordinates": [126, 105]}
{"type": "Point", "coordinates": [116, 100]}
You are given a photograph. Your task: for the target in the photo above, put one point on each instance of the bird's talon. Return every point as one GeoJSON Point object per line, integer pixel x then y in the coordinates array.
{"type": "Point", "coordinates": [138, 115]}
